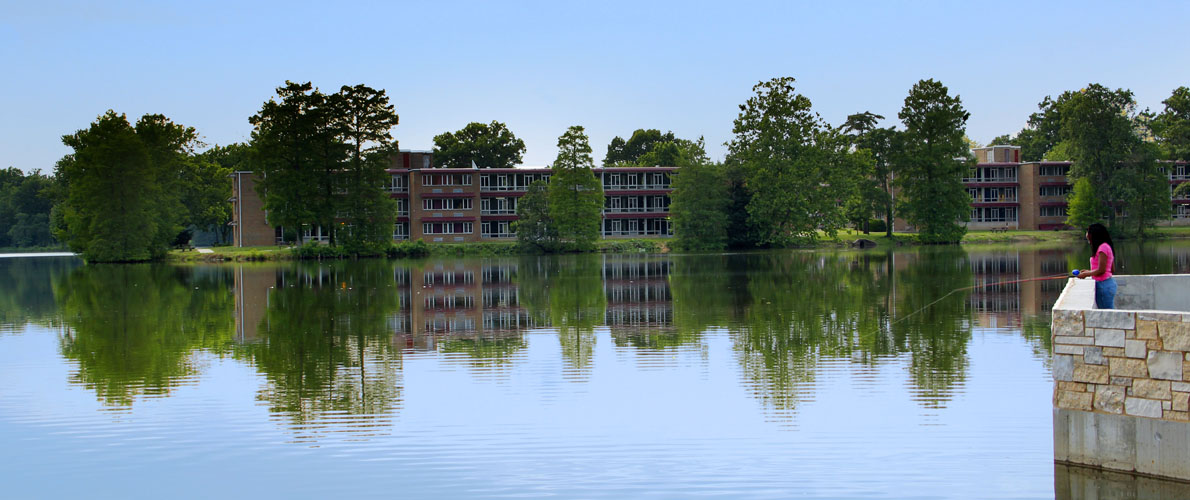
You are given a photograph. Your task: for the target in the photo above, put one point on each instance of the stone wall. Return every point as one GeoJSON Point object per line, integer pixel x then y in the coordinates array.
{"type": "Point", "coordinates": [1130, 363]}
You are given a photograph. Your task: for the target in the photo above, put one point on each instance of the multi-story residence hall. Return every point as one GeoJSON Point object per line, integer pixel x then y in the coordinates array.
{"type": "Point", "coordinates": [1010, 194]}
{"type": "Point", "coordinates": [474, 204]}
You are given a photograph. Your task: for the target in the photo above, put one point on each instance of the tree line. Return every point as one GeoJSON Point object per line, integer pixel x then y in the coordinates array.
{"type": "Point", "coordinates": [129, 191]}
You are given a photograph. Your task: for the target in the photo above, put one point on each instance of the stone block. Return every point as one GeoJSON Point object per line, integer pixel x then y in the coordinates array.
{"type": "Point", "coordinates": [1121, 381]}
{"type": "Point", "coordinates": [1109, 398]}
{"type": "Point", "coordinates": [1158, 316]}
{"type": "Point", "coordinates": [1113, 352]}
{"type": "Point", "coordinates": [1063, 367]}
{"type": "Point", "coordinates": [1166, 405]}
{"type": "Point", "coordinates": [1153, 344]}
{"type": "Point", "coordinates": [1146, 329]}
{"type": "Point", "coordinates": [1109, 318]}
{"type": "Point", "coordinates": [1142, 407]}
{"type": "Point", "coordinates": [1076, 400]}
{"type": "Point", "coordinates": [1180, 386]}
{"type": "Point", "coordinates": [1074, 340]}
{"type": "Point", "coordinates": [1068, 349]}
{"type": "Point", "coordinates": [1091, 374]}
{"type": "Point", "coordinates": [1151, 389]}
{"type": "Point", "coordinates": [1109, 337]}
{"type": "Point", "coordinates": [1069, 323]}
{"type": "Point", "coordinates": [1181, 401]}
{"type": "Point", "coordinates": [1072, 386]}
{"type": "Point", "coordinates": [1165, 365]}
{"type": "Point", "coordinates": [1123, 367]}
{"type": "Point", "coordinates": [1135, 349]}
{"type": "Point", "coordinates": [1093, 356]}
{"type": "Point", "coordinates": [1174, 336]}
{"type": "Point", "coordinates": [1179, 416]}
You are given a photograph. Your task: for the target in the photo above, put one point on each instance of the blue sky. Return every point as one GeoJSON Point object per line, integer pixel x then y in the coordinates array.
{"type": "Point", "coordinates": [542, 66]}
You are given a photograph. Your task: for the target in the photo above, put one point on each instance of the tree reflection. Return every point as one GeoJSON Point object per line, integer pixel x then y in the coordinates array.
{"type": "Point", "coordinates": [569, 288]}
{"type": "Point", "coordinates": [134, 329]}
{"type": "Point", "coordinates": [27, 289]}
{"type": "Point", "coordinates": [326, 348]}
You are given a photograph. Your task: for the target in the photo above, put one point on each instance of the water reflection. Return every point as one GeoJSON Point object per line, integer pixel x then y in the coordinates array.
{"type": "Point", "coordinates": [133, 330]}
{"type": "Point", "coordinates": [27, 290]}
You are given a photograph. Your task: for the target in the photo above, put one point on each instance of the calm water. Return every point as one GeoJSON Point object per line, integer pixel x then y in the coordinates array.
{"type": "Point", "coordinates": [791, 374]}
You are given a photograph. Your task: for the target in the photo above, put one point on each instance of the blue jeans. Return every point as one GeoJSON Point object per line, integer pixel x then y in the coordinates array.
{"type": "Point", "coordinates": [1105, 294]}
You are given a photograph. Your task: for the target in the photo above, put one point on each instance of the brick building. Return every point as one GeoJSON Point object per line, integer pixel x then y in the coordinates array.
{"type": "Point", "coordinates": [473, 204]}
{"type": "Point", "coordinates": [1007, 193]}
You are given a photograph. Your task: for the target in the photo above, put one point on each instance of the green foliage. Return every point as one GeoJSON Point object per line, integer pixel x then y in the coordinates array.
{"type": "Point", "coordinates": [1083, 207]}
{"type": "Point", "coordinates": [699, 204]}
{"type": "Point", "coordinates": [673, 153]}
{"type": "Point", "coordinates": [1172, 125]}
{"type": "Point", "coordinates": [296, 153]}
{"type": "Point", "coordinates": [629, 246]}
{"type": "Point", "coordinates": [408, 249]}
{"type": "Point", "coordinates": [366, 120]}
{"type": "Point", "coordinates": [486, 146]}
{"type": "Point", "coordinates": [796, 167]}
{"type": "Point", "coordinates": [534, 227]}
{"type": "Point", "coordinates": [575, 195]}
{"type": "Point", "coordinates": [1099, 128]}
{"type": "Point", "coordinates": [212, 184]}
{"type": "Point", "coordinates": [1004, 140]}
{"type": "Point", "coordinates": [116, 207]}
{"type": "Point", "coordinates": [25, 204]}
{"type": "Point", "coordinates": [320, 156]}
{"type": "Point", "coordinates": [620, 151]}
{"type": "Point", "coordinates": [933, 159]}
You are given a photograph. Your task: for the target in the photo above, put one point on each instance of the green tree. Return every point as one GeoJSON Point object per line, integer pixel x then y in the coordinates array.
{"type": "Point", "coordinates": [872, 195]}
{"type": "Point", "coordinates": [575, 195]}
{"type": "Point", "coordinates": [1003, 140]}
{"type": "Point", "coordinates": [484, 145]}
{"type": "Point", "coordinates": [699, 205]}
{"type": "Point", "coordinates": [218, 160]}
{"type": "Point", "coordinates": [296, 152]}
{"type": "Point", "coordinates": [796, 166]}
{"type": "Point", "coordinates": [25, 204]}
{"type": "Point", "coordinates": [1172, 125]}
{"type": "Point", "coordinates": [113, 209]}
{"type": "Point", "coordinates": [1083, 207]}
{"type": "Point", "coordinates": [1099, 128]}
{"type": "Point", "coordinates": [366, 121]}
{"type": "Point", "coordinates": [620, 151]}
{"type": "Point", "coordinates": [934, 158]}
{"type": "Point", "coordinates": [534, 227]}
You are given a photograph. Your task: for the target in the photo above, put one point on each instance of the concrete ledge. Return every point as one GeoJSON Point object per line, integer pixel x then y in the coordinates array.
{"type": "Point", "coordinates": [1122, 442]}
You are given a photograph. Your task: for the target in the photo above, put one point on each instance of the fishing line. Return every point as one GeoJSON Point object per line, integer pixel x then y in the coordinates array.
{"type": "Point", "coordinates": [956, 290]}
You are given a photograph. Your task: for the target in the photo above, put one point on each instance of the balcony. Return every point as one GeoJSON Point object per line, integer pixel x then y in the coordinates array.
{"type": "Point", "coordinates": [636, 187]}
{"type": "Point", "coordinates": [491, 189]}
{"type": "Point", "coordinates": [502, 211]}
{"type": "Point", "coordinates": [397, 189]}
{"type": "Point", "coordinates": [636, 210]}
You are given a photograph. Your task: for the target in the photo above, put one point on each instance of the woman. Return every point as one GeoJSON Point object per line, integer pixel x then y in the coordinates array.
{"type": "Point", "coordinates": [1102, 264]}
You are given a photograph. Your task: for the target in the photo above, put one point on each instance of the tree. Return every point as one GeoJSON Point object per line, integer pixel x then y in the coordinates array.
{"type": "Point", "coordinates": [486, 146]}
{"type": "Point", "coordinates": [534, 227]}
{"type": "Point", "coordinates": [1003, 140]}
{"type": "Point", "coordinates": [873, 193]}
{"type": "Point", "coordinates": [796, 167]}
{"type": "Point", "coordinates": [113, 208]}
{"type": "Point", "coordinates": [366, 120]}
{"type": "Point", "coordinates": [621, 151]}
{"type": "Point", "coordinates": [699, 205]}
{"type": "Point", "coordinates": [575, 195]}
{"type": "Point", "coordinates": [673, 153]}
{"type": "Point", "coordinates": [219, 161]}
{"type": "Point", "coordinates": [296, 151]}
{"type": "Point", "coordinates": [1099, 129]}
{"type": "Point", "coordinates": [25, 204]}
{"type": "Point", "coordinates": [1172, 125]}
{"type": "Point", "coordinates": [1083, 207]}
{"type": "Point", "coordinates": [933, 160]}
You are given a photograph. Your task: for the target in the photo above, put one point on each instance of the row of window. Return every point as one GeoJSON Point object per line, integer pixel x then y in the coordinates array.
{"type": "Point", "coordinates": [446, 179]}
{"type": "Point", "coordinates": [993, 214]}
{"type": "Point", "coordinates": [446, 204]}
{"type": "Point", "coordinates": [1055, 190]}
{"type": "Point", "coordinates": [991, 174]}
{"type": "Point", "coordinates": [509, 182]}
{"type": "Point", "coordinates": [992, 195]}
{"type": "Point", "coordinates": [636, 203]}
{"type": "Point", "coordinates": [1053, 211]}
{"type": "Point", "coordinates": [448, 228]}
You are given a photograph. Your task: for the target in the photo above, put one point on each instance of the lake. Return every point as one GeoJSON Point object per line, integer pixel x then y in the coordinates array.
{"type": "Point", "coordinates": [816, 374]}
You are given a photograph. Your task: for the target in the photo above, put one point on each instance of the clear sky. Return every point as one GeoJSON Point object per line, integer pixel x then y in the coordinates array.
{"type": "Point", "coordinates": [540, 67]}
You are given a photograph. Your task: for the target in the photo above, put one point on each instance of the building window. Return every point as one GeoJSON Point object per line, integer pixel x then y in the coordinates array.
{"type": "Point", "coordinates": [1055, 190]}
{"type": "Point", "coordinates": [446, 204]}
{"type": "Point", "coordinates": [993, 214]}
{"type": "Point", "coordinates": [1053, 211]}
{"type": "Point", "coordinates": [1054, 170]}
{"type": "Point", "coordinates": [447, 227]}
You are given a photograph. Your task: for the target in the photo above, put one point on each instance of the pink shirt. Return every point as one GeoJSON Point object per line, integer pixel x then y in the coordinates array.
{"type": "Point", "coordinates": [1105, 249]}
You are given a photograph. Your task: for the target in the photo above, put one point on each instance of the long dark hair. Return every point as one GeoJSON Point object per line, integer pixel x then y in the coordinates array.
{"type": "Point", "coordinates": [1099, 235]}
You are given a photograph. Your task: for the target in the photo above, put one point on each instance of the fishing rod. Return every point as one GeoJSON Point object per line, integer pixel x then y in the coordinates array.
{"type": "Point", "coordinates": [956, 290]}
